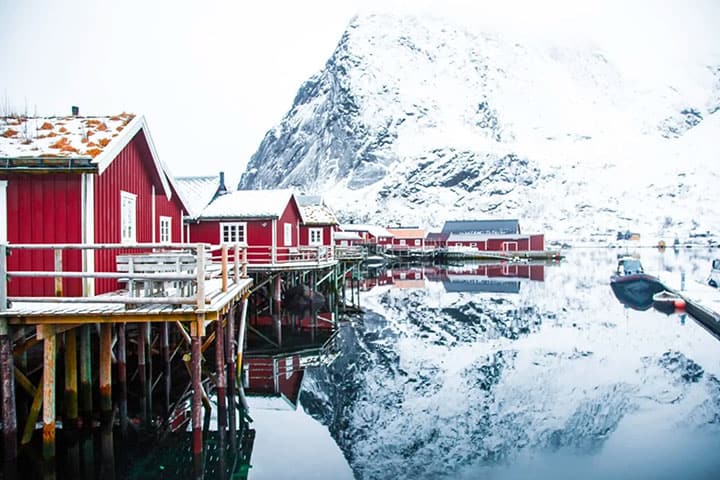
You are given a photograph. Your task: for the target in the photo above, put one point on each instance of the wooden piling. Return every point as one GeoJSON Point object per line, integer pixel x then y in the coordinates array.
{"type": "Point", "coordinates": [71, 377]}
{"type": "Point", "coordinates": [86, 403]}
{"type": "Point", "coordinates": [167, 372]}
{"type": "Point", "coordinates": [220, 374]}
{"type": "Point", "coordinates": [122, 377]}
{"type": "Point", "coordinates": [142, 373]}
{"type": "Point", "coordinates": [105, 368]}
{"type": "Point", "coordinates": [230, 363]}
{"type": "Point", "coordinates": [7, 384]}
{"type": "Point", "coordinates": [49, 358]}
{"type": "Point", "coordinates": [196, 414]}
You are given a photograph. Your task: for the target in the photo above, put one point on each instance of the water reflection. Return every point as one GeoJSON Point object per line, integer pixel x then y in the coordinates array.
{"type": "Point", "coordinates": [440, 382]}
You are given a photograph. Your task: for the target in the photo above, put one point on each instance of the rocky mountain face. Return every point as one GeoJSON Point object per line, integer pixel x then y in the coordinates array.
{"type": "Point", "coordinates": [417, 121]}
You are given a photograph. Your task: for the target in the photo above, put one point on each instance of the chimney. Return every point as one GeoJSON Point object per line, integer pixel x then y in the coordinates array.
{"type": "Point", "coordinates": [75, 110]}
{"type": "Point", "coordinates": [222, 189]}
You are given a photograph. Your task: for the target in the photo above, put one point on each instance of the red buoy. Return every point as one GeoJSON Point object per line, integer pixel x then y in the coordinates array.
{"type": "Point", "coordinates": [679, 304]}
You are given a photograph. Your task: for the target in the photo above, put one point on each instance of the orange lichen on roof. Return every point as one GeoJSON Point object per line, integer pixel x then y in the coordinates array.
{"type": "Point", "coordinates": [46, 126]}
{"type": "Point", "coordinates": [102, 127]}
{"type": "Point", "coordinates": [104, 142]}
{"type": "Point", "coordinates": [92, 122]}
{"type": "Point", "coordinates": [63, 129]}
{"type": "Point", "coordinates": [9, 133]}
{"type": "Point", "coordinates": [90, 133]}
{"type": "Point", "coordinates": [83, 140]}
{"type": "Point", "coordinates": [60, 143]}
{"type": "Point", "coordinates": [52, 134]}
{"type": "Point", "coordinates": [93, 152]}
{"type": "Point", "coordinates": [91, 144]}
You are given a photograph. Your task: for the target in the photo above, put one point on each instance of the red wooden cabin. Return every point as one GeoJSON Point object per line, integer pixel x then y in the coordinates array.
{"type": "Point", "coordinates": [490, 235]}
{"type": "Point", "coordinates": [267, 221]}
{"type": "Point", "coordinates": [371, 234]}
{"type": "Point", "coordinates": [81, 180]}
{"type": "Point", "coordinates": [407, 238]}
{"type": "Point", "coordinates": [318, 222]}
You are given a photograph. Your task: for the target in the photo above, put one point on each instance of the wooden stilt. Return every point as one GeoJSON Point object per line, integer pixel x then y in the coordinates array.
{"type": "Point", "coordinates": [86, 403]}
{"type": "Point", "coordinates": [106, 368]}
{"type": "Point", "coordinates": [7, 383]}
{"type": "Point", "coordinates": [107, 469]}
{"type": "Point", "coordinates": [71, 377]}
{"type": "Point", "coordinates": [142, 374]}
{"type": "Point", "coordinates": [220, 373]}
{"type": "Point", "coordinates": [49, 358]}
{"type": "Point", "coordinates": [277, 294]}
{"type": "Point", "coordinates": [32, 415]}
{"type": "Point", "coordinates": [196, 404]}
{"type": "Point", "coordinates": [149, 363]}
{"type": "Point", "coordinates": [230, 362]}
{"type": "Point", "coordinates": [165, 333]}
{"type": "Point", "coordinates": [122, 377]}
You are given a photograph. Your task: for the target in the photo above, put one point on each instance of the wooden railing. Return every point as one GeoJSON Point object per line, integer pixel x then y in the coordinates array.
{"type": "Point", "coordinates": [260, 255]}
{"type": "Point", "coordinates": [174, 274]}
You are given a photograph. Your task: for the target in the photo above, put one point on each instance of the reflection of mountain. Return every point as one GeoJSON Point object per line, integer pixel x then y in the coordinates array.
{"type": "Point", "coordinates": [438, 384]}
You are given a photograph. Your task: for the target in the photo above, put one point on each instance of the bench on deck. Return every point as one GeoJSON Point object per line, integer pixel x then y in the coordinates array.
{"type": "Point", "coordinates": [158, 263]}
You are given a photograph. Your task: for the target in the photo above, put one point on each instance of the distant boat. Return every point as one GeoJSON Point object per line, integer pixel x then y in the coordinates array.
{"type": "Point", "coordinates": [714, 278]}
{"type": "Point", "coordinates": [632, 286]}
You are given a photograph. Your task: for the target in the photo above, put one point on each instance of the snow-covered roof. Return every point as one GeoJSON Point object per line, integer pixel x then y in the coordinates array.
{"type": "Point", "coordinates": [197, 191]}
{"type": "Point", "coordinates": [246, 204]}
{"type": "Point", "coordinates": [374, 230]}
{"type": "Point", "coordinates": [313, 211]}
{"type": "Point", "coordinates": [480, 237]}
{"type": "Point", "coordinates": [436, 237]}
{"type": "Point", "coordinates": [407, 233]}
{"type": "Point", "coordinates": [346, 236]}
{"type": "Point", "coordinates": [23, 140]}
{"type": "Point", "coordinates": [481, 226]}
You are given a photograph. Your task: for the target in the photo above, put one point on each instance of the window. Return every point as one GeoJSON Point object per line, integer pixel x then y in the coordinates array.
{"type": "Point", "coordinates": [417, 242]}
{"type": "Point", "coordinates": [165, 229]}
{"type": "Point", "coordinates": [402, 241]}
{"type": "Point", "coordinates": [287, 240]}
{"type": "Point", "coordinates": [128, 218]}
{"type": "Point", "coordinates": [233, 232]}
{"type": "Point", "coordinates": [316, 236]}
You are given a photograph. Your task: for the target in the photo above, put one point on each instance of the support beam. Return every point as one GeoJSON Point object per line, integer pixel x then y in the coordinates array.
{"type": "Point", "coordinates": [122, 377]}
{"type": "Point", "coordinates": [32, 415]}
{"type": "Point", "coordinates": [230, 363]}
{"type": "Point", "coordinates": [142, 374]}
{"type": "Point", "coordinates": [7, 384]}
{"type": "Point", "coordinates": [220, 374]}
{"type": "Point", "coordinates": [196, 414]}
{"type": "Point", "coordinates": [106, 369]}
{"type": "Point", "coordinates": [49, 358]}
{"type": "Point", "coordinates": [71, 377]}
{"type": "Point", "coordinates": [167, 372]}
{"type": "Point", "coordinates": [86, 403]}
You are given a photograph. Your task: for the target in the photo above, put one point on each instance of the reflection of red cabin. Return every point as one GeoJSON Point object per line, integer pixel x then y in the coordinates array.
{"type": "Point", "coordinates": [318, 222]}
{"type": "Point", "coordinates": [490, 235]}
{"type": "Point", "coordinates": [268, 221]}
{"type": "Point", "coordinates": [81, 180]}
{"type": "Point", "coordinates": [274, 376]}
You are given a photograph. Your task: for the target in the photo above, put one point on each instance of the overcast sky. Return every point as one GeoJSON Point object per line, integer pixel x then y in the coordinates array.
{"type": "Point", "coordinates": [213, 76]}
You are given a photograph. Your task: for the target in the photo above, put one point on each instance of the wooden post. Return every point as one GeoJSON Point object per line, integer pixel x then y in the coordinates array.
{"type": "Point", "coordinates": [220, 373]}
{"type": "Point", "coordinates": [106, 369]}
{"type": "Point", "coordinates": [58, 268]}
{"type": "Point", "coordinates": [167, 372]}
{"type": "Point", "coordinates": [71, 376]}
{"type": "Point", "coordinates": [147, 337]}
{"type": "Point", "coordinates": [49, 354]}
{"type": "Point", "coordinates": [230, 363]}
{"type": "Point", "coordinates": [236, 264]}
{"type": "Point", "coordinates": [277, 295]}
{"type": "Point", "coordinates": [142, 372]}
{"type": "Point", "coordinates": [122, 377]}
{"type": "Point", "coordinates": [86, 403]}
{"type": "Point", "coordinates": [7, 384]}
{"type": "Point", "coordinates": [201, 277]}
{"type": "Point", "coordinates": [196, 404]}
{"type": "Point", "coordinates": [224, 266]}
{"type": "Point", "coordinates": [244, 262]}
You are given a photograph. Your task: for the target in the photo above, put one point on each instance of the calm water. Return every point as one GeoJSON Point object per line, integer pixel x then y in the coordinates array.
{"type": "Point", "coordinates": [472, 374]}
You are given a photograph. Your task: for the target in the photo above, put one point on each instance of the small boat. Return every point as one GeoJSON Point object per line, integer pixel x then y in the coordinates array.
{"type": "Point", "coordinates": [668, 302]}
{"type": "Point", "coordinates": [714, 278]}
{"type": "Point", "coordinates": [632, 286]}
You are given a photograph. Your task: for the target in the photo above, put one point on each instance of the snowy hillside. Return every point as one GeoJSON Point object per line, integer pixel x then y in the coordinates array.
{"type": "Point", "coordinates": [419, 120]}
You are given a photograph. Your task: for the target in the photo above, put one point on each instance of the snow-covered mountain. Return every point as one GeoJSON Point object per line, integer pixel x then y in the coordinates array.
{"type": "Point", "coordinates": [418, 120]}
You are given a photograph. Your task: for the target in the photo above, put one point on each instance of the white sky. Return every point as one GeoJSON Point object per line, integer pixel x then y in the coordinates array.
{"type": "Point", "coordinates": [213, 76]}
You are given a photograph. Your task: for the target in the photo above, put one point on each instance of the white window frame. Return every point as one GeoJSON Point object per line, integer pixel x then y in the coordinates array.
{"type": "Point", "coordinates": [165, 229]}
{"type": "Point", "coordinates": [287, 234]}
{"type": "Point", "coordinates": [128, 217]}
{"type": "Point", "coordinates": [315, 232]}
{"type": "Point", "coordinates": [230, 232]}
{"type": "Point", "coordinates": [402, 242]}
{"type": "Point", "coordinates": [418, 242]}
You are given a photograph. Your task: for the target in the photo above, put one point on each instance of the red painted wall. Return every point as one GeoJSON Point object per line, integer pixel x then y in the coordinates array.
{"type": "Point", "coordinates": [172, 208]}
{"type": "Point", "coordinates": [43, 209]}
{"type": "Point", "coordinates": [326, 234]}
{"type": "Point", "coordinates": [537, 242]}
{"type": "Point", "coordinates": [131, 171]}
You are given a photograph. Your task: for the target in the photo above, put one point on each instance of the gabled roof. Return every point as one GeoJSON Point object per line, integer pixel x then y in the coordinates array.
{"type": "Point", "coordinates": [374, 230]}
{"type": "Point", "coordinates": [313, 211]}
{"type": "Point", "coordinates": [346, 236]}
{"type": "Point", "coordinates": [482, 226]}
{"type": "Point", "coordinates": [481, 236]}
{"type": "Point", "coordinates": [436, 237]}
{"type": "Point", "coordinates": [198, 191]}
{"type": "Point", "coordinates": [40, 142]}
{"type": "Point", "coordinates": [248, 204]}
{"type": "Point", "coordinates": [407, 233]}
